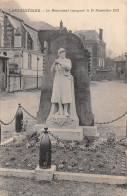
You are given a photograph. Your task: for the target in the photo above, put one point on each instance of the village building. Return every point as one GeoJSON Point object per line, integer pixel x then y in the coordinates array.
{"type": "Point", "coordinates": [119, 67]}
{"type": "Point", "coordinates": [4, 72]}
{"type": "Point", "coordinates": [19, 41]}
{"type": "Point", "coordinates": [95, 44]}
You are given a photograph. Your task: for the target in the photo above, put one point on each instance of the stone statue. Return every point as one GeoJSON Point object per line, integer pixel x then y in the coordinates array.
{"type": "Point", "coordinates": [63, 110]}
{"type": "Point", "coordinates": [62, 91]}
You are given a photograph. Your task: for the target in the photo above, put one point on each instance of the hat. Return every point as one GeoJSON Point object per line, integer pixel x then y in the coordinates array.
{"type": "Point", "coordinates": [61, 50]}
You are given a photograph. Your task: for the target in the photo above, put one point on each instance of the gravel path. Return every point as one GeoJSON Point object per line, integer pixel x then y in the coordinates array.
{"type": "Point", "coordinates": [23, 187]}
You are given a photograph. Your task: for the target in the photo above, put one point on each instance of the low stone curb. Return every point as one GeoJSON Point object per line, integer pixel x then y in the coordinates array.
{"type": "Point", "coordinates": [7, 141]}
{"type": "Point", "coordinates": [11, 139]}
{"type": "Point", "coordinates": [20, 136]}
{"type": "Point", "coordinates": [91, 178]}
{"type": "Point", "coordinates": [17, 173]}
{"type": "Point", "coordinates": [40, 175]}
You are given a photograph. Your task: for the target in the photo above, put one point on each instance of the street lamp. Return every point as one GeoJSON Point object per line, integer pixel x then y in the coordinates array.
{"type": "Point", "coordinates": [37, 70]}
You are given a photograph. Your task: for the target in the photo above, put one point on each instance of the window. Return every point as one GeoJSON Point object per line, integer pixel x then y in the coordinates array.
{"type": "Point", "coordinates": [103, 63]}
{"type": "Point", "coordinates": [29, 42]}
{"type": "Point", "coordinates": [99, 62]}
{"type": "Point", "coordinates": [29, 61]}
{"type": "Point", "coordinates": [89, 48]}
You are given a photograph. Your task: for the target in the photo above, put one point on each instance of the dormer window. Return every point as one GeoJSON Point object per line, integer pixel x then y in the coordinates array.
{"type": "Point", "coordinates": [29, 42]}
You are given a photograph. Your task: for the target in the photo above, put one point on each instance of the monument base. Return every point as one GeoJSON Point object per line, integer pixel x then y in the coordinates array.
{"type": "Point", "coordinates": [68, 134]}
{"type": "Point", "coordinates": [71, 134]}
{"type": "Point", "coordinates": [45, 174]}
{"type": "Point", "coordinates": [90, 131]}
{"type": "Point", "coordinates": [62, 122]}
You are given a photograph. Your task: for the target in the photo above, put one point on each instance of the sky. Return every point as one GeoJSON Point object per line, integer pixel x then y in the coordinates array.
{"type": "Point", "coordinates": [113, 23]}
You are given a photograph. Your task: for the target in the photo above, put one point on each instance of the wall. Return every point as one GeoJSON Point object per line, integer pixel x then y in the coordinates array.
{"type": "Point", "coordinates": [33, 70]}
{"type": "Point", "coordinates": [14, 55]}
{"type": "Point", "coordinates": [29, 76]}
{"type": "Point", "coordinates": [30, 82]}
{"type": "Point", "coordinates": [104, 75]}
{"type": "Point", "coordinates": [16, 83]}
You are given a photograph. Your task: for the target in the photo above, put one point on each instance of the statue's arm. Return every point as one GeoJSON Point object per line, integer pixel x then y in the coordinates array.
{"type": "Point", "coordinates": [53, 67]}
{"type": "Point", "coordinates": [67, 65]}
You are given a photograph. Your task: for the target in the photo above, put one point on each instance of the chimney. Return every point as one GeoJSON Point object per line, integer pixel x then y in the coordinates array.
{"type": "Point", "coordinates": [101, 34]}
{"type": "Point", "coordinates": [61, 24]}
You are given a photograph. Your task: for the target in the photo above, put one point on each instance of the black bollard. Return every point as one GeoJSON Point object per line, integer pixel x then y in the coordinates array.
{"type": "Point", "coordinates": [45, 151]}
{"type": "Point", "coordinates": [19, 119]}
{"type": "Point", "coordinates": [0, 133]}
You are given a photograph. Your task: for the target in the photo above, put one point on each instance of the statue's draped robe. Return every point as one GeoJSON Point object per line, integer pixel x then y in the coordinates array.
{"type": "Point", "coordinates": [62, 92]}
{"type": "Point", "coordinates": [63, 88]}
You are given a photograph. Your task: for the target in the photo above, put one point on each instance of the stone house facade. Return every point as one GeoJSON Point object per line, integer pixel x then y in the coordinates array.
{"type": "Point", "coordinates": [20, 42]}
{"type": "Point", "coordinates": [119, 67]}
{"type": "Point", "coordinates": [97, 47]}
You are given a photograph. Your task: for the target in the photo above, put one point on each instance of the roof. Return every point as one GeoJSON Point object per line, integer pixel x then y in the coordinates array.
{"type": "Point", "coordinates": [14, 22]}
{"type": "Point", "coordinates": [120, 58]}
{"type": "Point", "coordinates": [22, 16]}
{"type": "Point", "coordinates": [32, 33]}
{"type": "Point", "coordinates": [35, 25]}
{"type": "Point", "coordinates": [41, 25]}
{"type": "Point", "coordinates": [12, 4]}
{"type": "Point", "coordinates": [89, 34]}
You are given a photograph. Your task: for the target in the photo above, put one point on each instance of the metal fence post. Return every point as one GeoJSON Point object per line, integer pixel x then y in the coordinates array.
{"type": "Point", "coordinates": [19, 119]}
{"type": "Point", "coordinates": [45, 151]}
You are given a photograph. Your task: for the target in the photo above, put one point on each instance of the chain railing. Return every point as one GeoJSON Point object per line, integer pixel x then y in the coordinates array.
{"type": "Point", "coordinates": [28, 113]}
{"type": "Point", "coordinates": [8, 122]}
{"type": "Point", "coordinates": [89, 141]}
{"type": "Point", "coordinates": [58, 139]}
{"type": "Point", "coordinates": [36, 118]}
{"type": "Point", "coordinates": [112, 120]}
{"type": "Point", "coordinates": [95, 122]}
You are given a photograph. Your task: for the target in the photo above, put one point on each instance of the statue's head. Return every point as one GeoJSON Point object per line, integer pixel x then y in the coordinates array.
{"type": "Point", "coordinates": [62, 52]}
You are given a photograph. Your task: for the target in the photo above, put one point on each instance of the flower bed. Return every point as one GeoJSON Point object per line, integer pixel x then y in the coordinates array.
{"type": "Point", "coordinates": [88, 156]}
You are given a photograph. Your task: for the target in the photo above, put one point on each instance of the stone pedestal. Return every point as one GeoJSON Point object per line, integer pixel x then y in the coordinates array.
{"type": "Point", "coordinates": [58, 122]}
{"type": "Point", "coordinates": [45, 174]}
{"type": "Point", "coordinates": [90, 131]}
{"type": "Point", "coordinates": [68, 134]}
{"type": "Point", "coordinates": [71, 134]}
